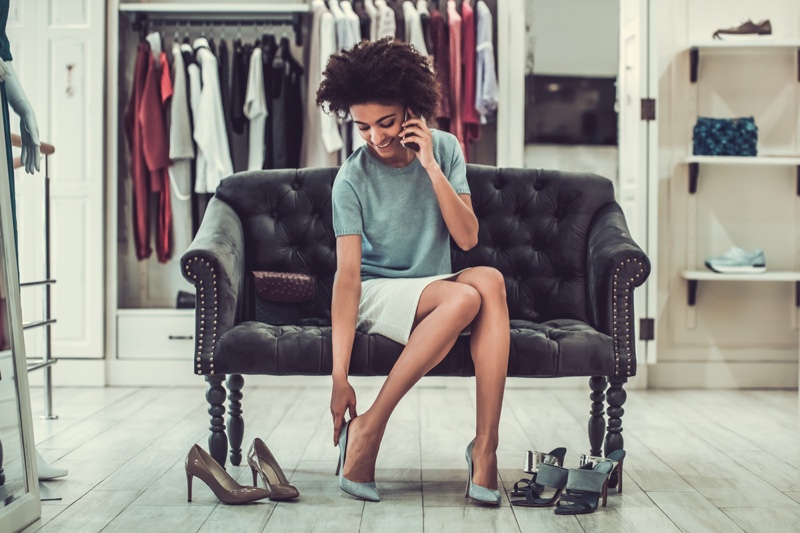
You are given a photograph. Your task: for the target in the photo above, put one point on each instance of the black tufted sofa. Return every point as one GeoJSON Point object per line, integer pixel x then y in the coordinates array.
{"type": "Point", "coordinates": [559, 239]}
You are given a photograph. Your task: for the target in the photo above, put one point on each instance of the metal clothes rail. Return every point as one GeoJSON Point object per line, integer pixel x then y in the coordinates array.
{"type": "Point", "coordinates": [46, 361]}
{"type": "Point", "coordinates": [142, 16]}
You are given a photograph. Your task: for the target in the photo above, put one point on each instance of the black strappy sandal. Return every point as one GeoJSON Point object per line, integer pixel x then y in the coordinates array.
{"type": "Point", "coordinates": [532, 462]}
{"type": "Point", "coordinates": [547, 476]}
{"type": "Point", "coordinates": [617, 456]}
{"type": "Point", "coordinates": [585, 488]}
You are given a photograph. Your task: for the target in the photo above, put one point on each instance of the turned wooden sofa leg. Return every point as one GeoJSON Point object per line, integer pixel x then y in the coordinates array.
{"type": "Point", "coordinates": [215, 395]}
{"type": "Point", "coordinates": [597, 422]}
{"type": "Point", "coordinates": [614, 440]}
{"type": "Point", "coordinates": [235, 420]}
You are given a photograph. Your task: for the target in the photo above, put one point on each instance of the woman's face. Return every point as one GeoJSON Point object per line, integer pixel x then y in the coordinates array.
{"type": "Point", "coordinates": [380, 126]}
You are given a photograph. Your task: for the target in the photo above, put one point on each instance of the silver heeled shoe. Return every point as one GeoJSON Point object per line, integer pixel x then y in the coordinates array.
{"type": "Point", "coordinates": [476, 492]}
{"type": "Point", "coordinates": [366, 491]}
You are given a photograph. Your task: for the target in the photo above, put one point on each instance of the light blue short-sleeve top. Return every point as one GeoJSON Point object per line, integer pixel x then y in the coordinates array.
{"type": "Point", "coordinates": [396, 212]}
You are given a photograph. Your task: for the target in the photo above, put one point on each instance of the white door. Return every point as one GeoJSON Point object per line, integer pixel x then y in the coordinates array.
{"type": "Point", "coordinates": [637, 193]}
{"type": "Point", "coordinates": [58, 50]}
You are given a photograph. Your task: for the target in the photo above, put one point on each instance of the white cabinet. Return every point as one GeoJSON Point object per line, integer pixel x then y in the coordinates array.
{"type": "Point", "coordinates": [155, 334]}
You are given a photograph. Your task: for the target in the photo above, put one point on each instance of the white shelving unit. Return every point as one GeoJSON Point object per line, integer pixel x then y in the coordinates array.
{"type": "Point", "coordinates": [733, 46]}
{"type": "Point", "coordinates": [694, 277]}
{"type": "Point", "coordinates": [695, 161]}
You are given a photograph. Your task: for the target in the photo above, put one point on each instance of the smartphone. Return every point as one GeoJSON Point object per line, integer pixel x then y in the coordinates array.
{"type": "Point", "coordinates": [411, 145]}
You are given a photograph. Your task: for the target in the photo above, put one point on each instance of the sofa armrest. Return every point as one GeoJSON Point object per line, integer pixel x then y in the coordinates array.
{"type": "Point", "coordinates": [616, 265]}
{"type": "Point", "coordinates": [214, 263]}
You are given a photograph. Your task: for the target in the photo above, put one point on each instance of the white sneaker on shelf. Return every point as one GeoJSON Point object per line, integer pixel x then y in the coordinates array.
{"type": "Point", "coordinates": [738, 261]}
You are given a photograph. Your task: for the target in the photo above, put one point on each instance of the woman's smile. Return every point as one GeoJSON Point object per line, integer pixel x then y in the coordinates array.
{"type": "Point", "coordinates": [386, 146]}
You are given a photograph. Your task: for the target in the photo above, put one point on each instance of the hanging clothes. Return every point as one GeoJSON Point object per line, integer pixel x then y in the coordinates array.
{"type": "Point", "coordinates": [353, 19]}
{"type": "Point", "coordinates": [456, 73]}
{"type": "Point", "coordinates": [399, 20]}
{"type": "Point", "coordinates": [224, 60]}
{"type": "Point", "coordinates": [425, 22]}
{"type": "Point", "coordinates": [320, 126]}
{"type": "Point", "coordinates": [164, 219]}
{"type": "Point", "coordinates": [364, 19]}
{"type": "Point", "coordinates": [414, 34]}
{"type": "Point", "coordinates": [469, 114]}
{"type": "Point", "coordinates": [441, 61]}
{"type": "Point", "coordinates": [345, 37]}
{"type": "Point", "coordinates": [268, 50]}
{"type": "Point", "coordinates": [193, 90]}
{"type": "Point", "coordinates": [486, 91]}
{"type": "Point", "coordinates": [209, 131]}
{"type": "Point", "coordinates": [181, 154]}
{"type": "Point", "coordinates": [140, 179]}
{"type": "Point", "coordinates": [387, 25]}
{"type": "Point", "coordinates": [372, 11]}
{"type": "Point", "coordinates": [287, 123]}
{"type": "Point", "coordinates": [240, 64]}
{"type": "Point", "coordinates": [255, 109]}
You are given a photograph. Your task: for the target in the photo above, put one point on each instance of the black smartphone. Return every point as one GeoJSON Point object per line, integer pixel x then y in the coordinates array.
{"type": "Point", "coordinates": [411, 145]}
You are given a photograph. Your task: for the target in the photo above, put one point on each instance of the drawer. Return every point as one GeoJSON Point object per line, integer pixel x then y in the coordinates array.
{"type": "Point", "coordinates": [167, 334]}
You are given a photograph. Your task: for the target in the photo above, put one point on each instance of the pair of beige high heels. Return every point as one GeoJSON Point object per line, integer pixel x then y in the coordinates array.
{"type": "Point", "coordinates": [262, 463]}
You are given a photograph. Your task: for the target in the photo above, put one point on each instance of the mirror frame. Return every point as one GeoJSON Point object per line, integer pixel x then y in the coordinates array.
{"type": "Point", "coordinates": [27, 508]}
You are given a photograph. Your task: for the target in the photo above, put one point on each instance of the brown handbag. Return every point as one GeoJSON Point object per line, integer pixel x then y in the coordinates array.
{"type": "Point", "coordinates": [283, 297]}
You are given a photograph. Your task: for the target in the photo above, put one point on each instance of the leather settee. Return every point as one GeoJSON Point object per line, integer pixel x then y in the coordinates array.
{"type": "Point", "coordinates": [560, 240]}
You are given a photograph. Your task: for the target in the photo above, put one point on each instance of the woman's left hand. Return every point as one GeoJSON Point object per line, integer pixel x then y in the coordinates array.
{"type": "Point", "coordinates": [416, 130]}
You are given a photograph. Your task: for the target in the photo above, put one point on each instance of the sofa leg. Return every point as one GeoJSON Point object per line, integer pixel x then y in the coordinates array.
{"type": "Point", "coordinates": [215, 395]}
{"type": "Point", "coordinates": [614, 440]}
{"type": "Point", "coordinates": [597, 422]}
{"type": "Point", "coordinates": [235, 420]}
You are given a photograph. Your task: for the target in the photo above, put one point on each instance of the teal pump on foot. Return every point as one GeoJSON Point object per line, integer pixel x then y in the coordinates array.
{"type": "Point", "coordinates": [476, 492]}
{"type": "Point", "coordinates": [366, 491]}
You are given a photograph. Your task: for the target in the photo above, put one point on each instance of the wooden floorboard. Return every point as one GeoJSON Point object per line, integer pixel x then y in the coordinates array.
{"type": "Point", "coordinates": [697, 461]}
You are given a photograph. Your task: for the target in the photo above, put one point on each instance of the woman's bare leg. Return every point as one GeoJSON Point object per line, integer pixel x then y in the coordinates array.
{"type": "Point", "coordinates": [490, 338]}
{"type": "Point", "coordinates": [445, 308]}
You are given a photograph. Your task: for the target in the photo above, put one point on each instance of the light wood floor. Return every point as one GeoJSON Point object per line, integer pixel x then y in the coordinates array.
{"type": "Point", "coordinates": [697, 461]}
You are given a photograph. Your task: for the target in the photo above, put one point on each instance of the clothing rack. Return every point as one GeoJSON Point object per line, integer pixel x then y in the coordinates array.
{"type": "Point", "coordinates": [46, 361]}
{"type": "Point", "coordinates": [143, 16]}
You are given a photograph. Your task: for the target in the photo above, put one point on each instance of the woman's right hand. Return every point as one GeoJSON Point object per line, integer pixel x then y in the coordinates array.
{"type": "Point", "coordinates": [343, 398]}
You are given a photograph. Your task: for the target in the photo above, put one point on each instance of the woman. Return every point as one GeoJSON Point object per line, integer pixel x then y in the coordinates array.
{"type": "Point", "coordinates": [394, 211]}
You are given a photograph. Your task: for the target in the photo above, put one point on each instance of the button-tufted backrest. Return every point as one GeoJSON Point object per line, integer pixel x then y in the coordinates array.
{"type": "Point", "coordinates": [533, 228]}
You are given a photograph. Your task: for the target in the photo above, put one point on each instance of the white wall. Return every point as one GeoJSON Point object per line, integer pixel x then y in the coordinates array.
{"type": "Point", "coordinates": [574, 37]}
{"type": "Point", "coordinates": [738, 334]}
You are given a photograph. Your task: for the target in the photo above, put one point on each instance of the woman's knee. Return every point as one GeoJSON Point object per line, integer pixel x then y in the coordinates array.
{"type": "Point", "coordinates": [489, 282]}
{"type": "Point", "coordinates": [465, 301]}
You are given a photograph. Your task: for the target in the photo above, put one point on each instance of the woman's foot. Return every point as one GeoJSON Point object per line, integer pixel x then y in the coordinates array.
{"type": "Point", "coordinates": [484, 465]}
{"type": "Point", "coordinates": [363, 444]}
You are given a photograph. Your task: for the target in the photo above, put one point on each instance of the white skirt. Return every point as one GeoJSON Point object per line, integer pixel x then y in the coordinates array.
{"type": "Point", "coordinates": [388, 305]}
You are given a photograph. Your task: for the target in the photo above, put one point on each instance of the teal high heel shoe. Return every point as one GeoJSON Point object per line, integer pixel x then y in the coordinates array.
{"type": "Point", "coordinates": [366, 491]}
{"type": "Point", "coordinates": [476, 492]}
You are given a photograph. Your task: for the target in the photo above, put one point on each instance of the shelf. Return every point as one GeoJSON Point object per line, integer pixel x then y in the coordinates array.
{"type": "Point", "coordinates": [694, 162]}
{"type": "Point", "coordinates": [707, 275]}
{"type": "Point", "coordinates": [214, 9]}
{"type": "Point", "coordinates": [140, 14]}
{"type": "Point", "coordinates": [740, 45]}
{"type": "Point", "coordinates": [695, 276]}
{"type": "Point", "coordinates": [732, 46]}
{"type": "Point", "coordinates": [737, 160]}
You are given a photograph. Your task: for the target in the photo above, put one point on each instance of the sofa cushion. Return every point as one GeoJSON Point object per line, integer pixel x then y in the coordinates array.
{"type": "Point", "coordinates": [551, 349]}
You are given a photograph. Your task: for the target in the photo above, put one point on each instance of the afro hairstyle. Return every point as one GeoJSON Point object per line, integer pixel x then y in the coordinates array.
{"type": "Point", "coordinates": [386, 71]}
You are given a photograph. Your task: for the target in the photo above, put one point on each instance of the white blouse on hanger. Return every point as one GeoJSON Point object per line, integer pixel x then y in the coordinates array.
{"type": "Point", "coordinates": [181, 154]}
{"type": "Point", "coordinates": [414, 35]}
{"type": "Point", "coordinates": [210, 132]}
{"type": "Point", "coordinates": [255, 109]}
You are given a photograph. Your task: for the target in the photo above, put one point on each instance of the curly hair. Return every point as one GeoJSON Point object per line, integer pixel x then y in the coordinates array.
{"type": "Point", "coordinates": [386, 71]}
